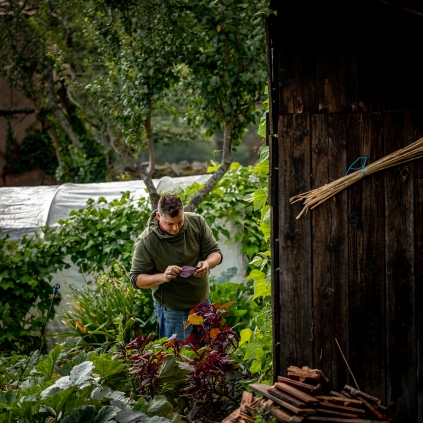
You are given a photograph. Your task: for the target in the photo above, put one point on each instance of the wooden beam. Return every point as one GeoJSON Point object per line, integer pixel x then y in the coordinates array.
{"type": "Point", "coordinates": [403, 7]}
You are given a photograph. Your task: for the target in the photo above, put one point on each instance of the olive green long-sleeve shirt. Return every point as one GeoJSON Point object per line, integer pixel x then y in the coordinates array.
{"type": "Point", "coordinates": [155, 250]}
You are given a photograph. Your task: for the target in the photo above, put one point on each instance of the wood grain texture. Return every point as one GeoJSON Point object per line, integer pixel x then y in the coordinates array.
{"type": "Point", "coordinates": [400, 283]}
{"type": "Point", "coordinates": [336, 79]}
{"type": "Point", "coordinates": [329, 246]}
{"type": "Point", "coordinates": [273, 192]}
{"type": "Point", "coordinates": [418, 245]}
{"type": "Point", "coordinates": [366, 259]}
{"type": "Point", "coordinates": [295, 243]}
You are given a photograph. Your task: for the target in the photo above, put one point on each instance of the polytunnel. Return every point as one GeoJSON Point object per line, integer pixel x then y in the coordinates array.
{"type": "Point", "coordinates": [24, 209]}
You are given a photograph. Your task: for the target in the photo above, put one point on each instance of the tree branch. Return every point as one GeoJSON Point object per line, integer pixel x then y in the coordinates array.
{"type": "Point", "coordinates": [16, 110]}
{"type": "Point", "coordinates": [147, 174]}
{"type": "Point", "coordinates": [60, 116]}
{"type": "Point", "coordinates": [219, 173]}
{"type": "Point", "coordinates": [152, 191]}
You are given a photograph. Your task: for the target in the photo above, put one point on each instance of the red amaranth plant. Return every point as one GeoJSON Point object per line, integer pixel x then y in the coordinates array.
{"type": "Point", "coordinates": [209, 327]}
{"type": "Point", "coordinates": [145, 362]}
{"type": "Point", "coordinates": [214, 383]}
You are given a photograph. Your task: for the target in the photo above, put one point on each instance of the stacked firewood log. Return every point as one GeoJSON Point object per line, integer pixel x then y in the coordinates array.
{"type": "Point", "coordinates": [305, 396]}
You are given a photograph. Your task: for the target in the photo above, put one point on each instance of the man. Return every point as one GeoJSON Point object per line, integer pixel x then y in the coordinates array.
{"type": "Point", "coordinates": [173, 239]}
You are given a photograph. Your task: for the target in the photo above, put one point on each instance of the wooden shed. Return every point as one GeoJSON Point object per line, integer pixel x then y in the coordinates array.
{"type": "Point", "coordinates": [345, 81]}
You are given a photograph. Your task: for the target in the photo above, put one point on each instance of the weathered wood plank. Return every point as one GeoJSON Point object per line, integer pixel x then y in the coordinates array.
{"type": "Point", "coordinates": [336, 80]}
{"type": "Point", "coordinates": [338, 246]}
{"type": "Point", "coordinates": [400, 288]}
{"type": "Point", "coordinates": [263, 390]}
{"type": "Point", "coordinates": [367, 277]}
{"type": "Point", "coordinates": [330, 254]}
{"type": "Point", "coordinates": [273, 193]}
{"type": "Point", "coordinates": [355, 241]}
{"type": "Point", "coordinates": [297, 58]}
{"type": "Point", "coordinates": [321, 235]}
{"type": "Point", "coordinates": [295, 243]}
{"type": "Point", "coordinates": [418, 245]}
{"type": "Point", "coordinates": [370, 292]}
{"type": "Point", "coordinates": [366, 258]}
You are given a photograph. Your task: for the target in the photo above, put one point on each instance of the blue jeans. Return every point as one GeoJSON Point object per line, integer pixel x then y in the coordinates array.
{"type": "Point", "coordinates": [172, 322]}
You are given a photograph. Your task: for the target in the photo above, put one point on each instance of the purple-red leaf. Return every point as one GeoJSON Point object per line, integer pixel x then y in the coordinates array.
{"type": "Point", "coordinates": [187, 271]}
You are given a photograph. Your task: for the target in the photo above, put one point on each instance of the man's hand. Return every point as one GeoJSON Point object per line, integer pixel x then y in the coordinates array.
{"type": "Point", "coordinates": [171, 272]}
{"type": "Point", "coordinates": [202, 269]}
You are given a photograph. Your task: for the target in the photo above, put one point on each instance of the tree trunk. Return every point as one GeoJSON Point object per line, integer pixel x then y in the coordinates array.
{"type": "Point", "coordinates": [51, 131]}
{"type": "Point", "coordinates": [147, 174]}
{"type": "Point", "coordinates": [60, 116]}
{"type": "Point", "coordinates": [219, 173]}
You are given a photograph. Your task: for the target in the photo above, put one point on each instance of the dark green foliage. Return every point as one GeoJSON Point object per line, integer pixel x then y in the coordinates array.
{"type": "Point", "coordinates": [244, 308]}
{"type": "Point", "coordinates": [35, 151]}
{"type": "Point", "coordinates": [27, 269]}
{"type": "Point", "coordinates": [227, 64]}
{"type": "Point", "coordinates": [103, 233]}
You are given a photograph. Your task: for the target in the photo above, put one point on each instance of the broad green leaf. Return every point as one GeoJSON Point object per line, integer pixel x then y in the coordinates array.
{"type": "Point", "coordinates": [262, 288]}
{"type": "Point", "coordinates": [83, 414]}
{"type": "Point", "coordinates": [262, 126]}
{"type": "Point", "coordinates": [141, 405]}
{"type": "Point", "coordinates": [265, 228]}
{"type": "Point", "coordinates": [6, 285]}
{"type": "Point", "coordinates": [255, 275]}
{"type": "Point", "coordinates": [175, 418]}
{"type": "Point", "coordinates": [257, 260]}
{"type": "Point", "coordinates": [46, 366]}
{"type": "Point", "coordinates": [105, 366]}
{"type": "Point", "coordinates": [238, 313]}
{"type": "Point", "coordinates": [251, 351]}
{"type": "Point", "coordinates": [81, 375]}
{"type": "Point", "coordinates": [58, 399]}
{"type": "Point", "coordinates": [101, 394]}
{"type": "Point", "coordinates": [127, 414]}
{"type": "Point", "coordinates": [262, 169]}
{"type": "Point", "coordinates": [9, 397]}
{"type": "Point", "coordinates": [264, 153]}
{"type": "Point", "coordinates": [106, 414]}
{"type": "Point", "coordinates": [168, 367]}
{"type": "Point", "coordinates": [249, 197]}
{"type": "Point", "coordinates": [159, 406]}
{"type": "Point", "coordinates": [260, 199]}
{"type": "Point", "coordinates": [255, 366]}
{"type": "Point", "coordinates": [246, 335]}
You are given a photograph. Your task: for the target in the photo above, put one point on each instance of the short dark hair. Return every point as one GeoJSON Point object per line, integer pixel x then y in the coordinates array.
{"type": "Point", "coordinates": [170, 205]}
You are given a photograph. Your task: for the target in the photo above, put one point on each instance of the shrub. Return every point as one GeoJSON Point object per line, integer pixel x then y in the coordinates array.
{"type": "Point", "coordinates": [25, 290]}
{"type": "Point", "coordinates": [107, 310]}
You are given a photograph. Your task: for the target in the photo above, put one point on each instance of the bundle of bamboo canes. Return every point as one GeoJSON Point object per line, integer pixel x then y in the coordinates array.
{"type": "Point", "coordinates": [315, 197]}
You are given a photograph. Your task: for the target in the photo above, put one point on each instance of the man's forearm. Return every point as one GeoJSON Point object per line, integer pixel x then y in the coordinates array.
{"type": "Point", "coordinates": [145, 281]}
{"type": "Point", "coordinates": [213, 259]}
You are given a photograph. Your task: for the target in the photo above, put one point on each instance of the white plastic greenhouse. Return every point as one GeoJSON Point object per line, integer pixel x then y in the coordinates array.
{"type": "Point", "coordinates": [24, 209]}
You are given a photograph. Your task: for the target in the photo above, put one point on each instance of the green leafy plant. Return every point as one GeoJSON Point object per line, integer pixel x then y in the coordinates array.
{"type": "Point", "coordinates": [25, 290]}
{"type": "Point", "coordinates": [102, 235]}
{"type": "Point", "coordinates": [257, 339]}
{"type": "Point", "coordinates": [68, 389]}
{"type": "Point", "coordinates": [108, 310]}
{"type": "Point", "coordinates": [243, 309]}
